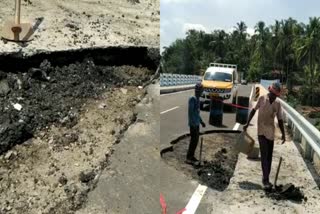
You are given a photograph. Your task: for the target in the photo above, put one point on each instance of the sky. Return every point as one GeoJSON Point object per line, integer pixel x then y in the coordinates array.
{"type": "Point", "coordinates": [178, 16]}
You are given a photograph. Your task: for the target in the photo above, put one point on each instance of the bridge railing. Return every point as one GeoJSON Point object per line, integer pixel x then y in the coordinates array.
{"type": "Point", "coordinates": [168, 79]}
{"type": "Point", "coordinates": [303, 131]}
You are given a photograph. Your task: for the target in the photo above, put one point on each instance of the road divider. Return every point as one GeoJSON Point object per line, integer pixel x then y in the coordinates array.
{"type": "Point", "coordinates": [172, 89]}
{"type": "Point", "coordinates": [168, 79]}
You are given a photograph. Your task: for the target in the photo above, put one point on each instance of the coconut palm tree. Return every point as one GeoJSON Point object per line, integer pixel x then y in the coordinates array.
{"type": "Point", "coordinates": [307, 49]}
{"type": "Point", "coordinates": [218, 44]}
{"type": "Point", "coordinates": [311, 77]}
{"type": "Point", "coordinates": [241, 29]}
{"type": "Point", "coordinates": [284, 48]}
{"type": "Point", "coordinates": [261, 47]}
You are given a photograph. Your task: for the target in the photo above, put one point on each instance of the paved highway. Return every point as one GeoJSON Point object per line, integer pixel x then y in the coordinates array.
{"type": "Point", "coordinates": [177, 188]}
{"type": "Point", "coordinates": [174, 115]}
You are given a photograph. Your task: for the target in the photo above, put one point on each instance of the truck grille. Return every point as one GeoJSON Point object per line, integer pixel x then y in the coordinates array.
{"type": "Point", "coordinates": [217, 90]}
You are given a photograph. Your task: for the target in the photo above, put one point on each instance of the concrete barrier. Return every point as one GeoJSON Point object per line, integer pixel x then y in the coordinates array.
{"type": "Point", "coordinates": [171, 89]}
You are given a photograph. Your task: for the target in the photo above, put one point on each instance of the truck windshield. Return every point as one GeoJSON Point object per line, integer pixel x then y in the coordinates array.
{"type": "Point", "coordinates": [218, 76]}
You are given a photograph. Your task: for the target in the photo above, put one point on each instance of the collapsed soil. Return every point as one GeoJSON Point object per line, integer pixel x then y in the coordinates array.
{"type": "Point", "coordinates": [54, 95]}
{"type": "Point", "coordinates": [69, 119]}
{"type": "Point", "coordinates": [218, 155]}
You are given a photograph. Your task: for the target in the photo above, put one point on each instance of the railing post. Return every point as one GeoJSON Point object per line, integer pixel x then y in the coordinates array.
{"type": "Point", "coordinates": [289, 123]}
{"type": "Point", "coordinates": [296, 134]}
{"type": "Point", "coordinates": [316, 162]}
{"type": "Point", "coordinates": [307, 150]}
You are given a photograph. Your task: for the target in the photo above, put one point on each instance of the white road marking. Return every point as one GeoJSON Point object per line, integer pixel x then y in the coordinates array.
{"type": "Point", "coordinates": [195, 199]}
{"type": "Point", "coordinates": [236, 126]}
{"type": "Point", "coordinates": [169, 110]}
{"type": "Point", "coordinates": [251, 93]}
{"type": "Point", "coordinates": [174, 93]}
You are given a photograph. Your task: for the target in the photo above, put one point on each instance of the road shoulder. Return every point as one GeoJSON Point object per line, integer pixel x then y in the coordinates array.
{"type": "Point", "coordinates": [245, 194]}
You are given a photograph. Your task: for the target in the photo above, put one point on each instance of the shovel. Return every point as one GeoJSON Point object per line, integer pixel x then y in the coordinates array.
{"type": "Point", "coordinates": [286, 188]}
{"type": "Point", "coordinates": [278, 169]}
{"type": "Point", "coordinates": [15, 30]}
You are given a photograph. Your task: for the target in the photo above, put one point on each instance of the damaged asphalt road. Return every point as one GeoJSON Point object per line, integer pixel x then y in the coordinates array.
{"type": "Point", "coordinates": [72, 116]}
{"type": "Point", "coordinates": [219, 159]}
{"type": "Point", "coordinates": [32, 100]}
{"type": "Point", "coordinates": [130, 183]}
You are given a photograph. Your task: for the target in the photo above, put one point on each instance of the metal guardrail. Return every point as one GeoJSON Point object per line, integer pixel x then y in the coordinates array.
{"type": "Point", "coordinates": [168, 79]}
{"type": "Point", "coordinates": [303, 130]}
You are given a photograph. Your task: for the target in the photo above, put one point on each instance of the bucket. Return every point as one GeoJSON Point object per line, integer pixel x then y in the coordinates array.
{"type": "Point", "coordinates": [245, 144]}
{"type": "Point", "coordinates": [216, 112]}
{"type": "Point", "coordinates": [241, 113]}
{"type": "Point", "coordinates": [254, 154]}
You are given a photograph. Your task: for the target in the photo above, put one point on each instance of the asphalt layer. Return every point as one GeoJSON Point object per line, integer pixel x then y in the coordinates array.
{"type": "Point", "coordinates": [175, 123]}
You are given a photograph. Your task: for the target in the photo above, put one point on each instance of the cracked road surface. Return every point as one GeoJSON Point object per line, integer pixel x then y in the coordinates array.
{"type": "Point", "coordinates": [130, 184]}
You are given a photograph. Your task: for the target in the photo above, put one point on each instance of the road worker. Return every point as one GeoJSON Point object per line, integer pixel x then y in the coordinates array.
{"type": "Point", "coordinates": [269, 107]}
{"type": "Point", "coordinates": [194, 121]}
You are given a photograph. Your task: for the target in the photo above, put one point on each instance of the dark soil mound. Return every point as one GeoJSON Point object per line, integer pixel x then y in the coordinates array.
{"type": "Point", "coordinates": [50, 94]}
{"type": "Point", "coordinates": [286, 192]}
{"type": "Point", "coordinates": [219, 159]}
{"type": "Point", "coordinates": [215, 175]}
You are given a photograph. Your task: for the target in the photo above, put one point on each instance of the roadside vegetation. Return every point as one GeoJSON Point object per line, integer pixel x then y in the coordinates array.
{"type": "Point", "coordinates": [287, 50]}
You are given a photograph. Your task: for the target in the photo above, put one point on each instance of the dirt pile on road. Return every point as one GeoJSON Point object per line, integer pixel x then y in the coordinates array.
{"type": "Point", "coordinates": [286, 192]}
{"type": "Point", "coordinates": [219, 159]}
{"type": "Point", "coordinates": [216, 174]}
{"type": "Point", "coordinates": [32, 100]}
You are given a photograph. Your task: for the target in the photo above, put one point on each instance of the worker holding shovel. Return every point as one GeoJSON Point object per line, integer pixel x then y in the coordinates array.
{"type": "Point", "coordinates": [194, 122]}
{"type": "Point", "coordinates": [269, 107]}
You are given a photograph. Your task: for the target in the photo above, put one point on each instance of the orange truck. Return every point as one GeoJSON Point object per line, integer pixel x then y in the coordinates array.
{"type": "Point", "coordinates": [219, 80]}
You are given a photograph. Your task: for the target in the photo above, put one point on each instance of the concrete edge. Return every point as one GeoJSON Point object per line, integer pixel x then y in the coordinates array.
{"type": "Point", "coordinates": [175, 89]}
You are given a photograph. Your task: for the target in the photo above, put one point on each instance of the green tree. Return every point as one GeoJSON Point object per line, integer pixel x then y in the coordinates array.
{"type": "Point", "coordinates": [307, 49]}
{"type": "Point", "coordinates": [284, 49]}
{"type": "Point", "coordinates": [288, 46]}
{"type": "Point", "coordinates": [312, 76]}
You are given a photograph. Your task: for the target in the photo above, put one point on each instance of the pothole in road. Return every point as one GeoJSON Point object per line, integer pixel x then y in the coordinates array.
{"type": "Point", "coordinates": [218, 155]}
{"type": "Point", "coordinates": [219, 158]}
